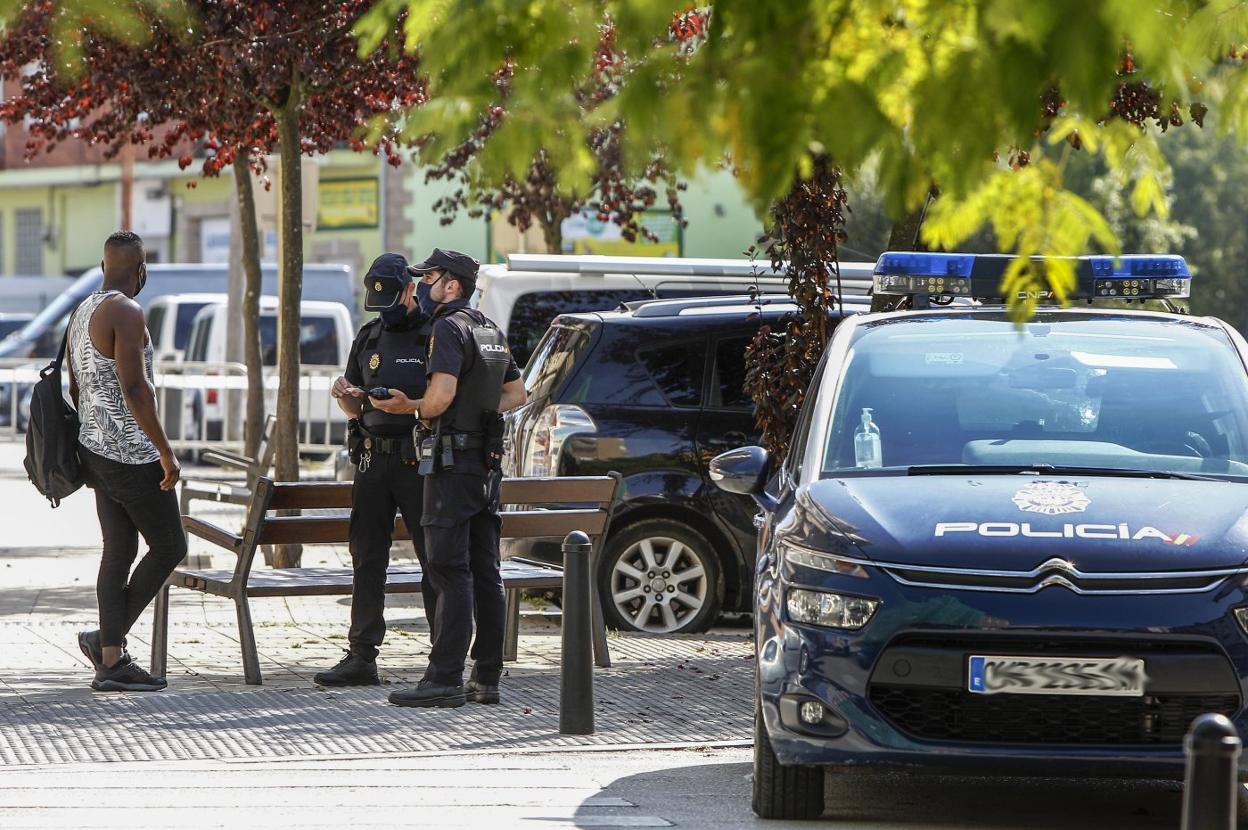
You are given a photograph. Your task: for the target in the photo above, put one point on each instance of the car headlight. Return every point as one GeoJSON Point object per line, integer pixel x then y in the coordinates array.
{"type": "Point", "coordinates": [828, 609]}
{"type": "Point", "coordinates": [796, 554]}
{"type": "Point", "coordinates": [1241, 614]}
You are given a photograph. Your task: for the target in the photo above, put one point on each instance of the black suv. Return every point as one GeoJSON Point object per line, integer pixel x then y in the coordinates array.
{"type": "Point", "coordinates": [653, 391]}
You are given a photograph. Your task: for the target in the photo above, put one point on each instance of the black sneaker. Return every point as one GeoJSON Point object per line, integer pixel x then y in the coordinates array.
{"type": "Point", "coordinates": [429, 694]}
{"type": "Point", "coordinates": [352, 670]}
{"type": "Point", "coordinates": [89, 642]}
{"type": "Point", "coordinates": [478, 692]}
{"type": "Point", "coordinates": [126, 676]}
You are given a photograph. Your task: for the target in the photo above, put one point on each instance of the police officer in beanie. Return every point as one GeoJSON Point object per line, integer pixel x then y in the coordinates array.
{"type": "Point", "coordinates": [384, 375]}
{"type": "Point", "coordinates": [472, 380]}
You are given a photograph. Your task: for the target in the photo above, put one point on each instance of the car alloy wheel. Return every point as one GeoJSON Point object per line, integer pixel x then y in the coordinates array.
{"type": "Point", "coordinates": [661, 579]}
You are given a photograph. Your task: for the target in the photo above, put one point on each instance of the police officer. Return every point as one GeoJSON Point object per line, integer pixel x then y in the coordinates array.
{"type": "Point", "coordinates": [387, 360]}
{"type": "Point", "coordinates": [472, 380]}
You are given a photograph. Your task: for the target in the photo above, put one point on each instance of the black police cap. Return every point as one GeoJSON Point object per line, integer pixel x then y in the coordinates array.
{"type": "Point", "coordinates": [459, 265]}
{"type": "Point", "coordinates": [385, 281]}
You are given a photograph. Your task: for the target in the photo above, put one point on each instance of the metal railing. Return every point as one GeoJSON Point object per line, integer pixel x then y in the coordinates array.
{"type": "Point", "coordinates": [202, 405]}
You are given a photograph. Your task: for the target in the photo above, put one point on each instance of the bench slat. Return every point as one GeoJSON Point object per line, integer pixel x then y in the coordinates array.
{"type": "Point", "coordinates": [325, 530]}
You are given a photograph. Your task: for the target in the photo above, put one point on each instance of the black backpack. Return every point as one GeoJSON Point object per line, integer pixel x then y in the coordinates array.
{"type": "Point", "coordinates": [52, 435]}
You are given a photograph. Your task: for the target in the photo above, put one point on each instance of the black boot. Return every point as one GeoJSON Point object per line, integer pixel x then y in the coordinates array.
{"type": "Point", "coordinates": [352, 670]}
{"type": "Point", "coordinates": [429, 694]}
{"type": "Point", "coordinates": [479, 692]}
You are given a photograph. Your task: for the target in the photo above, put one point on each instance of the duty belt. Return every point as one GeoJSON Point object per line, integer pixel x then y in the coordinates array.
{"type": "Point", "coordinates": [385, 446]}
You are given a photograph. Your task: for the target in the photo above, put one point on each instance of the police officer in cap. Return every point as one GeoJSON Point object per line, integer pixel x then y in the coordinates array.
{"type": "Point", "coordinates": [472, 380]}
{"type": "Point", "coordinates": [384, 375]}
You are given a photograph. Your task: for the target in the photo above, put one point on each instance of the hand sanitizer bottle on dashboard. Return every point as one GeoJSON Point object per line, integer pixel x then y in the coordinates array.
{"type": "Point", "coordinates": [867, 450]}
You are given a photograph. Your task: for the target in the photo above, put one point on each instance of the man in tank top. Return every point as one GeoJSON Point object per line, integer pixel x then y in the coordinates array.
{"type": "Point", "coordinates": [126, 460]}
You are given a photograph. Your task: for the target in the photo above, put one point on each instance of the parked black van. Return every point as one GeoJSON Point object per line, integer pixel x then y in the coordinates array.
{"type": "Point", "coordinates": [653, 391]}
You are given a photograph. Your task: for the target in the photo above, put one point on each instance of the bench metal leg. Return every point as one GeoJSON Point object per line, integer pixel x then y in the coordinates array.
{"type": "Point", "coordinates": [247, 639]}
{"type": "Point", "coordinates": [602, 655]}
{"type": "Point", "coordinates": [598, 624]}
{"type": "Point", "coordinates": [511, 637]}
{"type": "Point", "coordinates": [160, 634]}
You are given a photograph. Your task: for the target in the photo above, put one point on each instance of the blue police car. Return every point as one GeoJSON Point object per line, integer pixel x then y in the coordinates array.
{"type": "Point", "coordinates": [1003, 548]}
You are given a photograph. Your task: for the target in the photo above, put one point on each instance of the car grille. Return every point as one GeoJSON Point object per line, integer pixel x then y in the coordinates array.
{"type": "Point", "coordinates": [957, 715]}
{"type": "Point", "coordinates": [1059, 572]}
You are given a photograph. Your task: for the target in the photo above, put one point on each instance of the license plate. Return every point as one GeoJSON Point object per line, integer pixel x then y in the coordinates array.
{"type": "Point", "coordinates": [1113, 676]}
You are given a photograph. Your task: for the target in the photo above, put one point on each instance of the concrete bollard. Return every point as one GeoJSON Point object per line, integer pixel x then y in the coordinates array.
{"type": "Point", "coordinates": [576, 678]}
{"type": "Point", "coordinates": [1210, 792]}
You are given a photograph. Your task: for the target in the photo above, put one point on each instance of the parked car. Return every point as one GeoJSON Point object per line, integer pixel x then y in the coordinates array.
{"type": "Point", "coordinates": [529, 290]}
{"type": "Point", "coordinates": [999, 548]}
{"type": "Point", "coordinates": [169, 320]}
{"type": "Point", "coordinates": [653, 391]}
{"type": "Point", "coordinates": [325, 337]}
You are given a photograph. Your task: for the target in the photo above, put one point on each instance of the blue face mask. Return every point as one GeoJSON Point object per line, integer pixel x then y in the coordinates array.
{"type": "Point", "coordinates": [394, 315]}
{"type": "Point", "coordinates": [427, 304]}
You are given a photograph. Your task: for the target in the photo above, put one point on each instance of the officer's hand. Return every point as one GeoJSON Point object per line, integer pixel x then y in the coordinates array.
{"type": "Point", "coordinates": [342, 388]}
{"type": "Point", "coordinates": [396, 404]}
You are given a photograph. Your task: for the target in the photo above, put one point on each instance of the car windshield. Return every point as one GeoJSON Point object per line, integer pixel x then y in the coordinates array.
{"type": "Point", "coordinates": [1067, 390]}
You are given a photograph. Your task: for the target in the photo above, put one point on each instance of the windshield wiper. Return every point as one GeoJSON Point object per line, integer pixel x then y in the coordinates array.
{"type": "Point", "coordinates": [1049, 469]}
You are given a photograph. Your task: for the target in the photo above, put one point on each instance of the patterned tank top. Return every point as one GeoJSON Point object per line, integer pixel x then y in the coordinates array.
{"type": "Point", "coordinates": [107, 427]}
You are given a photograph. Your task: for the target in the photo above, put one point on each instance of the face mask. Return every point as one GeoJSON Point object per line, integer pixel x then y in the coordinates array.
{"type": "Point", "coordinates": [142, 280]}
{"type": "Point", "coordinates": [394, 315]}
{"type": "Point", "coordinates": [427, 304]}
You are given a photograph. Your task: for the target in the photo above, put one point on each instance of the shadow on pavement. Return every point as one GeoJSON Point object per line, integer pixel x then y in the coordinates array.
{"type": "Point", "coordinates": [719, 795]}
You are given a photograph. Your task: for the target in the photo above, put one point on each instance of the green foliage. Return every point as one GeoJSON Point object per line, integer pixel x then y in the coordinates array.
{"type": "Point", "coordinates": [924, 92]}
{"type": "Point", "coordinates": [123, 20]}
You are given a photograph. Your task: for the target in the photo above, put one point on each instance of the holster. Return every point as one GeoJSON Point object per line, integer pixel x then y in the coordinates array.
{"type": "Point", "coordinates": [355, 440]}
{"type": "Point", "coordinates": [495, 429]}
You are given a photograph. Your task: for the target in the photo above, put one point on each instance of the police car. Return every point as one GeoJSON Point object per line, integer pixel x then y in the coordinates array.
{"type": "Point", "coordinates": [1003, 548]}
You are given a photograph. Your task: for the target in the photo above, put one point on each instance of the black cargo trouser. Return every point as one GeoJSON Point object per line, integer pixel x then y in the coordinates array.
{"type": "Point", "coordinates": [130, 503]}
{"type": "Point", "coordinates": [462, 530]}
{"type": "Point", "coordinates": [389, 484]}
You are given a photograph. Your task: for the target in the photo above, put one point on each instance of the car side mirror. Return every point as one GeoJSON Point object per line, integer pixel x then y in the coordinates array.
{"type": "Point", "coordinates": [744, 470]}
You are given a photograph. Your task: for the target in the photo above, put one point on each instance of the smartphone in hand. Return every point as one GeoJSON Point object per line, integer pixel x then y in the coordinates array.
{"type": "Point", "coordinates": [381, 393]}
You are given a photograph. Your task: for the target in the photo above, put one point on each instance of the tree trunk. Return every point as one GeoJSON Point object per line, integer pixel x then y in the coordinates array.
{"type": "Point", "coordinates": [250, 239]}
{"type": "Point", "coordinates": [290, 293]}
{"type": "Point", "coordinates": [552, 232]}
{"type": "Point", "coordinates": [903, 237]}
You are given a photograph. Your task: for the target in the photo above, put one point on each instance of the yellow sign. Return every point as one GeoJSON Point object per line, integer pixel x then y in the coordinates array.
{"type": "Point", "coordinates": [346, 203]}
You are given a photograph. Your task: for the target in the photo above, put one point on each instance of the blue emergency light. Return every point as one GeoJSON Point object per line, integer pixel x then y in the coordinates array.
{"type": "Point", "coordinates": [1131, 277]}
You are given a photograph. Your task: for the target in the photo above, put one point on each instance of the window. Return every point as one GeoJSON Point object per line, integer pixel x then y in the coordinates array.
{"type": "Point", "coordinates": [29, 222]}
{"type": "Point", "coordinates": [677, 371]}
{"type": "Point", "coordinates": [1088, 391]}
{"type": "Point", "coordinates": [728, 382]}
{"type": "Point", "coordinates": [155, 322]}
{"type": "Point", "coordinates": [318, 341]}
{"type": "Point", "coordinates": [533, 312]}
{"type": "Point", "coordinates": [554, 359]}
{"type": "Point", "coordinates": [182, 328]}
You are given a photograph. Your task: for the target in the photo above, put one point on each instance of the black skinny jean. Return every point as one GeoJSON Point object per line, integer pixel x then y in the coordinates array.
{"type": "Point", "coordinates": [130, 503]}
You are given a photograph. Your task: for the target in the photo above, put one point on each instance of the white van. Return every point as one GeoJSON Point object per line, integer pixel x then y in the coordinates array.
{"type": "Point", "coordinates": [169, 320]}
{"type": "Point", "coordinates": [325, 337]}
{"type": "Point", "coordinates": [530, 290]}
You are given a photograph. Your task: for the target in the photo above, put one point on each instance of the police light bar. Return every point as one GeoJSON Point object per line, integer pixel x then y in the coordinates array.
{"type": "Point", "coordinates": [1131, 277]}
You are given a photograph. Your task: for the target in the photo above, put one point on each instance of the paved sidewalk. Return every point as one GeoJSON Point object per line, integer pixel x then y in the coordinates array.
{"type": "Point", "coordinates": [675, 690]}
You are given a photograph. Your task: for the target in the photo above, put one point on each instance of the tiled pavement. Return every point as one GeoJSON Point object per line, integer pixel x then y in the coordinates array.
{"type": "Point", "coordinates": [677, 690]}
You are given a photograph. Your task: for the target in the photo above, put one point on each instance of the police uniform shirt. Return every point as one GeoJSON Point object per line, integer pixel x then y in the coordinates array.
{"type": "Point", "coordinates": [377, 365]}
{"type": "Point", "coordinates": [449, 344]}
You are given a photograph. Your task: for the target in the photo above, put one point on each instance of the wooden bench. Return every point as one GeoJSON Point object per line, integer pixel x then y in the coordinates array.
{"type": "Point", "coordinates": [524, 519]}
{"type": "Point", "coordinates": [231, 492]}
